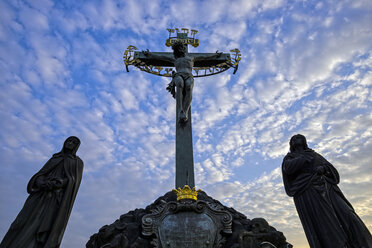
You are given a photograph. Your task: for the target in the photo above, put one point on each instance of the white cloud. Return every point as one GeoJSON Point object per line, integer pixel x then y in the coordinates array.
{"type": "Point", "coordinates": [33, 20]}
{"type": "Point", "coordinates": [305, 68]}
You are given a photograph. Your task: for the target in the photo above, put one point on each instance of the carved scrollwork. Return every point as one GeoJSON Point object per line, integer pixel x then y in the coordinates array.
{"type": "Point", "coordinates": [198, 223]}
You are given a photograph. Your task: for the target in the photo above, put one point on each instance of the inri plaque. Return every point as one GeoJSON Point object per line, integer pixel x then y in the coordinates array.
{"type": "Point", "coordinates": [188, 229]}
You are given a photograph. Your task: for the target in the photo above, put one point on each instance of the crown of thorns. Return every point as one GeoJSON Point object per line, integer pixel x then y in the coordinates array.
{"type": "Point", "coordinates": [178, 45]}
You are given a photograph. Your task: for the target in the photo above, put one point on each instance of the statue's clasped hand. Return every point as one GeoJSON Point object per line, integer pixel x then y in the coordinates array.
{"type": "Point", "coordinates": [54, 184]}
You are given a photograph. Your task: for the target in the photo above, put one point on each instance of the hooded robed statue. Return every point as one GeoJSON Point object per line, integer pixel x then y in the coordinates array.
{"type": "Point", "coordinates": [43, 218]}
{"type": "Point", "coordinates": [326, 215]}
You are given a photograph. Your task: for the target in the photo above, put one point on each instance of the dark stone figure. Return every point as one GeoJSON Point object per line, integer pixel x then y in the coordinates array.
{"type": "Point", "coordinates": [126, 232]}
{"type": "Point", "coordinates": [183, 79]}
{"type": "Point", "coordinates": [43, 218]}
{"type": "Point", "coordinates": [327, 217]}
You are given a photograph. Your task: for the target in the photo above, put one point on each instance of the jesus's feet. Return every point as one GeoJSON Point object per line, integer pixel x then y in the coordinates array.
{"type": "Point", "coordinates": [182, 117]}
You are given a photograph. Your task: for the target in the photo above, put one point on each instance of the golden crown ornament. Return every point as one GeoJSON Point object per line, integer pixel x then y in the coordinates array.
{"type": "Point", "coordinates": [186, 193]}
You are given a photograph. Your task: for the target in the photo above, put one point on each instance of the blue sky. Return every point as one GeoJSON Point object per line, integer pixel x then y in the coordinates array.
{"type": "Point", "coordinates": [305, 68]}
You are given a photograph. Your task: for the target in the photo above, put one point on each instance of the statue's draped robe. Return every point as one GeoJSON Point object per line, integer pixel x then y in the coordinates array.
{"type": "Point", "coordinates": [328, 218]}
{"type": "Point", "coordinates": [43, 218]}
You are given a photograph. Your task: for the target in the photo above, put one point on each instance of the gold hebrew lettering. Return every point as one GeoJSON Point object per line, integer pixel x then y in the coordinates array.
{"type": "Point", "coordinates": [185, 30]}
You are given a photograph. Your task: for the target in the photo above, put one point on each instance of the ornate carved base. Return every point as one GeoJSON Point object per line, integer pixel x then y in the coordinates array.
{"type": "Point", "coordinates": [204, 223]}
{"type": "Point", "coordinates": [187, 224]}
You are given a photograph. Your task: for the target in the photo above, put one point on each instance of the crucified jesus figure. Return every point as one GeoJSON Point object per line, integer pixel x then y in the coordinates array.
{"type": "Point", "coordinates": [183, 80]}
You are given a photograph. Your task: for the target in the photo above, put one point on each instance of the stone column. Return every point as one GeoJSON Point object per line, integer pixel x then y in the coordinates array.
{"type": "Point", "coordinates": [184, 153]}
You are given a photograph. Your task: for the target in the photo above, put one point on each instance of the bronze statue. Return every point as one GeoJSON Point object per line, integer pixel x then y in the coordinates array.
{"type": "Point", "coordinates": [183, 79]}
{"type": "Point", "coordinates": [187, 66]}
{"type": "Point", "coordinates": [327, 217]}
{"type": "Point", "coordinates": [43, 218]}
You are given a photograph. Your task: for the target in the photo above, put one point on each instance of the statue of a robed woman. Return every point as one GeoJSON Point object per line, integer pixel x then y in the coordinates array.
{"type": "Point", "coordinates": [43, 218]}
{"type": "Point", "coordinates": [327, 217]}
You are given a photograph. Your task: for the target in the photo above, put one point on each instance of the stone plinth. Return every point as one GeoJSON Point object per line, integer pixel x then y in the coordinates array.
{"type": "Point", "coordinates": [205, 223]}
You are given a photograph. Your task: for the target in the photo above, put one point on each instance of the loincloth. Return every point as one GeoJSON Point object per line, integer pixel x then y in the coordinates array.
{"type": "Point", "coordinates": [183, 75]}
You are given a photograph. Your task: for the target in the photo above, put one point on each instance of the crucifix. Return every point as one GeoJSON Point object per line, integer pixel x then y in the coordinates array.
{"type": "Point", "coordinates": [187, 67]}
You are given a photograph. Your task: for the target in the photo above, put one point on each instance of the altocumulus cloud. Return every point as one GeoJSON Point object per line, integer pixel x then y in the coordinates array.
{"type": "Point", "coordinates": [306, 68]}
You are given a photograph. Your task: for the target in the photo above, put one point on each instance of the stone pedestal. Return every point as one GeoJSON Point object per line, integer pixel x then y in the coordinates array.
{"type": "Point", "coordinates": [205, 223]}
